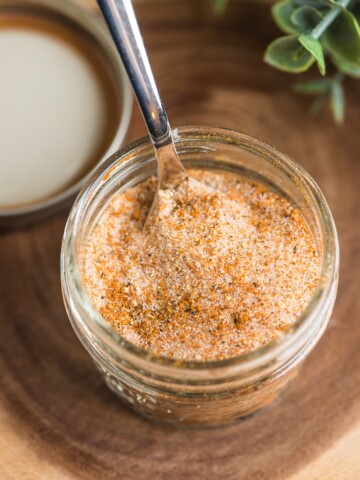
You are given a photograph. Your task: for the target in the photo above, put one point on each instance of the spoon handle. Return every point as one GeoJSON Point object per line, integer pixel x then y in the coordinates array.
{"type": "Point", "coordinates": [121, 20]}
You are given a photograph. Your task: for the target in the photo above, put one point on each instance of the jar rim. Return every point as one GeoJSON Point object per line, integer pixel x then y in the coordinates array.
{"type": "Point", "coordinates": [327, 275]}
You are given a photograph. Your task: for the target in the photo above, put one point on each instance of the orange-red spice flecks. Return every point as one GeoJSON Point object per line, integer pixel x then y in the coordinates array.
{"type": "Point", "coordinates": [223, 267]}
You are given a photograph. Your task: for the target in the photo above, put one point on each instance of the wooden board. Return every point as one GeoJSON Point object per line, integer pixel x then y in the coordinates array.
{"type": "Point", "coordinates": [57, 419]}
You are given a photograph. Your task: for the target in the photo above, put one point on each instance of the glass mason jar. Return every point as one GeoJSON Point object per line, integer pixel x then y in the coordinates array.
{"type": "Point", "coordinates": [194, 392]}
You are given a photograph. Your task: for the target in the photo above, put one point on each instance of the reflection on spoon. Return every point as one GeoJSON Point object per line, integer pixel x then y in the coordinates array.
{"type": "Point", "coordinates": [121, 20]}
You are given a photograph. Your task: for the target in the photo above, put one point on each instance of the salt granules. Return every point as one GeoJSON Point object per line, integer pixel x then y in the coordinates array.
{"type": "Point", "coordinates": [222, 268]}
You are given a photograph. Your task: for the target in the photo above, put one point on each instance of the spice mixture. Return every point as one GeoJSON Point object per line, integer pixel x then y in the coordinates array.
{"type": "Point", "coordinates": [222, 267]}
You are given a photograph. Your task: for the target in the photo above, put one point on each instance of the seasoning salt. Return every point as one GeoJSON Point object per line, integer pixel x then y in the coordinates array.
{"type": "Point", "coordinates": [222, 268]}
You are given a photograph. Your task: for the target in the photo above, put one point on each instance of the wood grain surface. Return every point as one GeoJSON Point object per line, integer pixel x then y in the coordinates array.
{"type": "Point", "coordinates": [57, 419]}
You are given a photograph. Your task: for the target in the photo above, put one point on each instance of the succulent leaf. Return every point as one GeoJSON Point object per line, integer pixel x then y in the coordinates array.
{"type": "Point", "coordinates": [306, 18]}
{"type": "Point", "coordinates": [315, 48]}
{"type": "Point", "coordinates": [288, 55]}
{"type": "Point", "coordinates": [343, 38]}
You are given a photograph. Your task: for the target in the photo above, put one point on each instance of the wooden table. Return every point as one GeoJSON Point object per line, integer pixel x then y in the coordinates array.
{"type": "Point", "coordinates": [57, 419]}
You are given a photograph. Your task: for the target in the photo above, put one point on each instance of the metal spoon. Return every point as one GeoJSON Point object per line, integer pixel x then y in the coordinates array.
{"type": "Point", "coordinates": [121, 20]}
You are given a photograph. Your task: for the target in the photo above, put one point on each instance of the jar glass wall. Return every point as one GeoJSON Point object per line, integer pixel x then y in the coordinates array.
{"type": "Point", "coordinates": [199, 393]}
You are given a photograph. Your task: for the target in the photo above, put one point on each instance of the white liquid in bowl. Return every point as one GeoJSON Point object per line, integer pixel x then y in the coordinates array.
{"type": "Point", "coordinates": [53, 115]}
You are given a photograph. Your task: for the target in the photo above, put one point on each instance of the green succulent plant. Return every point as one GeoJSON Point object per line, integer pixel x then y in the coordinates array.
{"type": "Point", "coordinates": [317, 32]}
